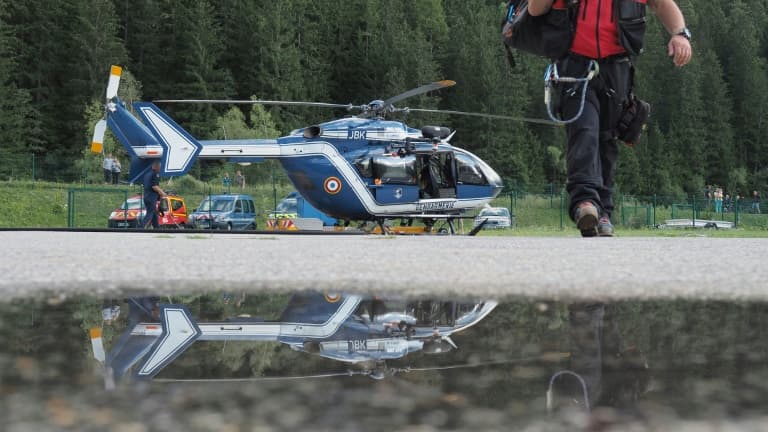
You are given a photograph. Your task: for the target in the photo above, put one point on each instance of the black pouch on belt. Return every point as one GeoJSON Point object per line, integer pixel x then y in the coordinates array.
{"type": "Point", "coordinates": [633, 119]}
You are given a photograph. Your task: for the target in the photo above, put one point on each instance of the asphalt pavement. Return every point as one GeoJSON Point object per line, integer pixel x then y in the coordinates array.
{"type": "Point", "coordinates": [101, 264]}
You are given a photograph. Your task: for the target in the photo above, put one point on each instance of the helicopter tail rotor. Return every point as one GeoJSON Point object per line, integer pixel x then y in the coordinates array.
{"type": "Point", "coordinates": [97, 142]}
{"type": "Point", "coordinates": [113, 84]}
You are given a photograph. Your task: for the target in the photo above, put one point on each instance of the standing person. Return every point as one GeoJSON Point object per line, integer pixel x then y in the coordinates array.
{"type": "Point", "coordinates": [107, 166]}
{"type": "Point", "coordinates": [755, 202]}
{"type": "Point", "coordinates": [607, 32]}
{"type": "Point", "coordinates": [727, 203]}
{"type": "Point", "coordinates": [708, 194]}
{"type": "Point", "coordinates": [226, 182]}
{"type": "Point", "coordinates": [152, 193]}
{"type": "Point", "coordinates": [239, 179]}
{"type": "Point", "coordinates": [718, 200]}
{"type": "Point", "coordinates": [116, 169]}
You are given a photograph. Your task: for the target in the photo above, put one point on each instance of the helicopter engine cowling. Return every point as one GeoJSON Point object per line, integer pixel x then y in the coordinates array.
{"type": "Point", "coordinates": [436, 346]}
{"type": "Point", "coordinates": [440, 132]}
{"type": "Point", "coordinates": [312, 132]}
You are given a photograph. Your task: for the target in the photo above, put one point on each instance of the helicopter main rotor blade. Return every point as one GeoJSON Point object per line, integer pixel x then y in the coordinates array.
{"type": "Point", "coordinates": [549, 357]}
{"type": "Point", "coordinates": [483, 115]}
{"type": "Point", "coordinates": [258, 102]}
{"type": "Point", "coordinates": [419, 90]}
{"type": "Point", "coordinates": [254, 379]}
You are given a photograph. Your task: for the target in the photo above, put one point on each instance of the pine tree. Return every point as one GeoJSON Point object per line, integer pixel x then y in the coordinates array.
{"type": "Point", "coordinates": [18, 124]}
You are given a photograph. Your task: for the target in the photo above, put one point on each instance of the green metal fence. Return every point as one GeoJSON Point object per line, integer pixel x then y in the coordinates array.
{"type": "Point", "coordinates": [38, 204]}
{"type": "Point", "coordinates": [547, 206]}
{"type": "Point", "coordinates": [91, 207]}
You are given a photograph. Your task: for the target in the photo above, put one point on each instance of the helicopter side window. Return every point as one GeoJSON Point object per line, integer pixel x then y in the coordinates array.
{"type": "Point", "coordinates": [395, 170]}
{"type": "Point", "coordinates": [468, 171]}
{"type": "Point", "coordinates": [363, 165]}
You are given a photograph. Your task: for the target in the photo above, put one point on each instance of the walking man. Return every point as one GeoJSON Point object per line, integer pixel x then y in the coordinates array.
{"type": "Point", "coordinates": [611, 33]}
{"type": "Point", "coordinates": [152, 193]}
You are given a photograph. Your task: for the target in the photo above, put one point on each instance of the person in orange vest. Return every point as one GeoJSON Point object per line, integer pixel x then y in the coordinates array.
{"type": "Point", "coordinates": [611, 33]}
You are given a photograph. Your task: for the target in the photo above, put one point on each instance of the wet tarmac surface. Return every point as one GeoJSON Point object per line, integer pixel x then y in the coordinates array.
{"type": "Point", "coordinates": [524, 364]}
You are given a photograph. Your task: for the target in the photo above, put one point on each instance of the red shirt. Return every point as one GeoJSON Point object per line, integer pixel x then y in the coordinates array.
{"type": "Point", "coordinates": [597, 35]}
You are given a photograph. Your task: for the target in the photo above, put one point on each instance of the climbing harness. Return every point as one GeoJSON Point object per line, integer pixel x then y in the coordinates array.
{"type": "Point", "coordinates": [550, 396]}
{"type": "Point", "coordinates": [552, 78]}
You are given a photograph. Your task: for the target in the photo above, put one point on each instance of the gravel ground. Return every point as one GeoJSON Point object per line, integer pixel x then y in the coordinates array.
{"type": "Point", "coordinates": [561, 268]}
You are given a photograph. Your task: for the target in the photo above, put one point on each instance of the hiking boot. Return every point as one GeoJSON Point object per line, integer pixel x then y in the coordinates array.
{"type": "Point", "coordinates": [586, 219]}
{"type": "Point", "coordinates": [605, 227]}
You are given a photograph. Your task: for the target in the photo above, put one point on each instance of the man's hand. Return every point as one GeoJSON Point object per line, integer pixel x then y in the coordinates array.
{"type": "Point", "coordinates": [679, 48]}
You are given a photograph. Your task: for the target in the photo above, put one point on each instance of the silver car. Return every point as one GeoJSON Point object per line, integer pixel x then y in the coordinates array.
{"type": "Point", "coordinates": [495, 217]}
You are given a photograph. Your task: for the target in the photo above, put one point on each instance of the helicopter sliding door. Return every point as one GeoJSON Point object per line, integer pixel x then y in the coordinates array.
{"type": "Point", "coordinates": [395, 178]}
{"type": "Point", "coordinates": [437, 175]}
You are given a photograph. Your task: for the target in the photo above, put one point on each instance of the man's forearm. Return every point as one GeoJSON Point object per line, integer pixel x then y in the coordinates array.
{"type": "Point", "coordinates": [669, 14]}
{"type": "Point", "coordinates": [539, 7]}
{"type": "Point", "coordinates": [158, 190]}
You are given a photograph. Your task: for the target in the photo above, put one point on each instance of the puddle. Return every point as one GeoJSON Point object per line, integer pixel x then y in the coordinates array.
{"type": "Point", "coordinates": [325, 361]}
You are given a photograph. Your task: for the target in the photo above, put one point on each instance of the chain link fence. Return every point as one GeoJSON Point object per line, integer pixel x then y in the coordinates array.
{"type": "Point", "coordinates": [547, 206]}
{"type": "Point", "coordinates": [26, 203]}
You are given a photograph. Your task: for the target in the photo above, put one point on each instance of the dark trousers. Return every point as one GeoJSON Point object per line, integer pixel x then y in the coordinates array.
{"type": "Point", "coordinates": [107, 176]}
{"type": "Point", "coordinates": [151, 216]}
{"type": "Point", "coordinates": [592, 147]}
{"type": "Point", "coordinates": [115, 177]}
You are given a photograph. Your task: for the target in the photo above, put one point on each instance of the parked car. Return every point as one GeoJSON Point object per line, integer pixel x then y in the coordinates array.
{"type": "Point", "coordinates": [497, 217]}
{"type": "Point", "coordinates": [131, 213]}
{"type": "Point", "coordinates": [227, 212]}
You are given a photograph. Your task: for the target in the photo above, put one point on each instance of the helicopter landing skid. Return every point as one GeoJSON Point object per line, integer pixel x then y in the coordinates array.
{"type": "Point", "coordinates": [432, 224]}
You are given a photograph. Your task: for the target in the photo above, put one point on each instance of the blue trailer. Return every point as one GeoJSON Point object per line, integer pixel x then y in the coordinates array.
{"type": "Point", "coordinates": [294, 212]}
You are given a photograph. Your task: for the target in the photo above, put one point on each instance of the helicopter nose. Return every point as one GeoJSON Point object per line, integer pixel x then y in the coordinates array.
{"type": "Point", "coordinates": [494, 180]}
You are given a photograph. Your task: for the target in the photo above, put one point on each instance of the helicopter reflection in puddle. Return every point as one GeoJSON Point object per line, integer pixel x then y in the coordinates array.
{"type": "Point", "coordinates": [361, 331]}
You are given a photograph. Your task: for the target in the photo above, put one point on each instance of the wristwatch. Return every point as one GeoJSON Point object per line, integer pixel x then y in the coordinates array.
{"type": "Point", "coordinates": [684, 32]}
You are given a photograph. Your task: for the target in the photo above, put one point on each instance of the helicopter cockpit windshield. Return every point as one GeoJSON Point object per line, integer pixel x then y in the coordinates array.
{"type": "Point", "coordinates": [469, 172]}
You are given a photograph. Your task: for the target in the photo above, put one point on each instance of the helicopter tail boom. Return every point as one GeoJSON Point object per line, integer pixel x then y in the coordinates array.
{"type": "Point", "coordinates": [157, 136]}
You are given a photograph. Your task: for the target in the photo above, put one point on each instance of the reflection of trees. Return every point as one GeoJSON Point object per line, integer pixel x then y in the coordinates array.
{"type": "Point", "coordinates": [223, 305]}
{"type": "Point", "coordinates": [45, 340]}
{"type": "Point", "coordinates": [214, 359]}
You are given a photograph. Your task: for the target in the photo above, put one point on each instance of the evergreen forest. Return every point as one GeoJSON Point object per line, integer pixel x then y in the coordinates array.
{"type": "Point", "coordinates": [709, 123]}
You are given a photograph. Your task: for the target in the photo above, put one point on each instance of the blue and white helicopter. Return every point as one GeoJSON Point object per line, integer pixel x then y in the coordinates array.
{"type": "Point", "coordinates": [359, 168]}
{"type": "Point", "coordinates": [362, 332]}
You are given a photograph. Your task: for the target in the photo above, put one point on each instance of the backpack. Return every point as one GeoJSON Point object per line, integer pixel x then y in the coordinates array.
{"type": "Point", "coordinates": [549, 35]}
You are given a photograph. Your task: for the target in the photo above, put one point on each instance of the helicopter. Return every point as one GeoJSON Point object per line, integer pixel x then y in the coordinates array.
{"type": "Point", "coordinates": [360, 331]}
{"type": "Point", "coordinates": [358, 168]}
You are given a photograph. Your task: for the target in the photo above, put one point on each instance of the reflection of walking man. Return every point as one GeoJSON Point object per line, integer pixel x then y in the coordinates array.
{"type": "Point", "coordinates": [604, 372]}
{"type": "Point", "coordinates": [152, 193]}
